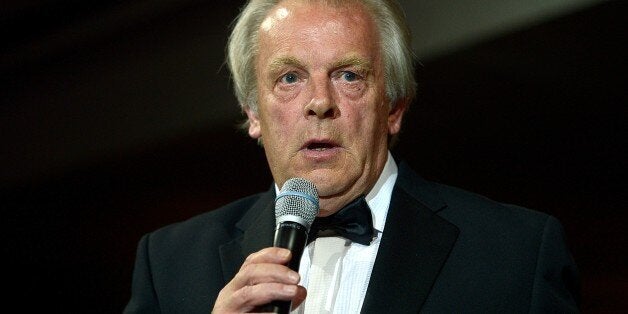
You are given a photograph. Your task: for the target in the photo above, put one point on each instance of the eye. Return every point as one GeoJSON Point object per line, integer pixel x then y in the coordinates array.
{"type": "Point", "coordinates": [349, 76]}
{"type": "Point", "coordinates": [289, 78]}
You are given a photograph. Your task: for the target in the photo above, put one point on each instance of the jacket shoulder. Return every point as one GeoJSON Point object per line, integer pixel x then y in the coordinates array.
{"type": "Point", "coordinates": [215, 226]}
{"type": "Point", "coordinates": [469, 210]}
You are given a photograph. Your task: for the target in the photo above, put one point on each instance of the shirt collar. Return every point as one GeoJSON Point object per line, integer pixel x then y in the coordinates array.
{"type": "Point", "coordinates": [379, 196]}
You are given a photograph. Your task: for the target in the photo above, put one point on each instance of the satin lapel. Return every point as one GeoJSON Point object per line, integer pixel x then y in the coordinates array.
{"type": "Point", "coordinates": [414, 247]}
{"type": "Point", "coordinates": [258, 227]}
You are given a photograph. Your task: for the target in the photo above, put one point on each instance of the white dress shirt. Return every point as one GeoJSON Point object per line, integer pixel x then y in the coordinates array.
{"type": "Point", "coordinates": [359, 259]}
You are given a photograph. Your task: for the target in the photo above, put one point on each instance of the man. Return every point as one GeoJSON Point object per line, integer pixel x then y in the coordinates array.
{"type": "Point", "coordinates": [325, 85]}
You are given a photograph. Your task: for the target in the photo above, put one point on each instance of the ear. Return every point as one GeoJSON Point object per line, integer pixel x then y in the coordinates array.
{"type": "Point", "coordinates": [255, 130]}
{"type": "Point", "coordinates": [395, 116]}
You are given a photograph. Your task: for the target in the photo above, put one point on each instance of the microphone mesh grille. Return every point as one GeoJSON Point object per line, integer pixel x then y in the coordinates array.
{"type": "Point", "coordinates": [298, 197]}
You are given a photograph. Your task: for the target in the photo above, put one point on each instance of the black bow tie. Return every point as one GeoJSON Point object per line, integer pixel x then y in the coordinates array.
{"type": "Point", "coordinates": [353, 222]}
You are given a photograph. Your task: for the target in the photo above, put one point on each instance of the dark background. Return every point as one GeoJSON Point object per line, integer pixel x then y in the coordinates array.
{"type": "Point", "coordinates": [117, 117]}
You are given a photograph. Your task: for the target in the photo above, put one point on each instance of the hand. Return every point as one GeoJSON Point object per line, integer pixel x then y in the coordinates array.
{"type": "Point", "coordinates": [262, 278]}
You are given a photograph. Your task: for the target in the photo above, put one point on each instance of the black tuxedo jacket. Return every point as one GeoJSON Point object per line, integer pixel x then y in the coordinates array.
{"type": "Point", "coordinates": [444, 250]}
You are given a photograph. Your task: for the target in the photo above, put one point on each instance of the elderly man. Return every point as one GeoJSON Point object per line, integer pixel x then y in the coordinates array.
{"type": "Point", "coordinates": [324, 85]}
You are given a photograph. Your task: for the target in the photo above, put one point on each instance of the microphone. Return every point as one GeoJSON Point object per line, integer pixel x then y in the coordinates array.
{"type": "Point", "coordinates": [296, 206]}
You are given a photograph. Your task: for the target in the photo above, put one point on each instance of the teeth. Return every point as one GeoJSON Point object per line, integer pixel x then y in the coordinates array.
{"type": "Point", "coordinates": [319, 146]}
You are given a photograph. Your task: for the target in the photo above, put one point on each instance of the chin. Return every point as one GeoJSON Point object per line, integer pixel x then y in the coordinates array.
{"type": "Point", "coordinates": [324, 186]}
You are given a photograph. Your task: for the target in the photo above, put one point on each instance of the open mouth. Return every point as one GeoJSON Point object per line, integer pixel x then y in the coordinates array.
{"type": "Point", "coordinates": [320, 146]}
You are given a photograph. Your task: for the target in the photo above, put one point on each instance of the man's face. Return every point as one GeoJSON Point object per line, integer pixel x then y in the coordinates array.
{"type": "Point", "coordinates": [322, 110]}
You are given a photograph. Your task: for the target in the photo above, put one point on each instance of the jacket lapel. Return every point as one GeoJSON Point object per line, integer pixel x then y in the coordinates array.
{"type": "Point", "coordinates": [258, 229]}
{"type": "Point", "coordinates": [415, 244]}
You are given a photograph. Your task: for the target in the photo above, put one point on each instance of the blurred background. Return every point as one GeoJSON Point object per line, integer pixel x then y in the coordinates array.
{"type": "Point", "coordinates": [117, 117]}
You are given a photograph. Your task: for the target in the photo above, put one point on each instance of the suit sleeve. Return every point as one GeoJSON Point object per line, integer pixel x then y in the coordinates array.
{"type": "Point", "coordinates": [556, 283]}
{"type": "Point", "coordinates": [143, 296]}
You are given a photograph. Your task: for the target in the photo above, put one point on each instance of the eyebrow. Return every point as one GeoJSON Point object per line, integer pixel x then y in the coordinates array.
{"type": "Point", "coordinates": [353, 61]}
{"type": "Point", "coordinates": [279, 63]}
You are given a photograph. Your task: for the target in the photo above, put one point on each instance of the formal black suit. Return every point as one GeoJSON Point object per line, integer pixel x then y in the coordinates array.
{"type": "Point", "coordinates": [444, 250]}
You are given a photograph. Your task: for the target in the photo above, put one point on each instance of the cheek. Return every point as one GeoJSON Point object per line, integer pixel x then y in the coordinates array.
{"type": "Point", "coordinates": [278, 121]}
{"type": "Point", "coordinates": [362, 126]}
{"type": "Point", "coordinates": [375, 126]}
{"type": "Point", "coordinates": [278, 116]}
{"type": "Point", "coordinates": [372, 117]}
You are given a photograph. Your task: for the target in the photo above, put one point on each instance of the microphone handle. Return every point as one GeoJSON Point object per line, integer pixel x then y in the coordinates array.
{"type": "Point", "coordinates": [292, 236]}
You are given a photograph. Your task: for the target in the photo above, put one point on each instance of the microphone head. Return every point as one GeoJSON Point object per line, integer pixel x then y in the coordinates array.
{"type": "Point", "coordinates": [297, 201]}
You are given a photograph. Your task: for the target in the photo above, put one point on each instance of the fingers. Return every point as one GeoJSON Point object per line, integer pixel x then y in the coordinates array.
{"type": "Point", "coordinates": [262, 278]}
{"type": "Point", "coordinates": [299, 297]}
{"type": "Point", "coordinates": [273, 255]}
{"type": "Point", "coordinates": [250, 297]}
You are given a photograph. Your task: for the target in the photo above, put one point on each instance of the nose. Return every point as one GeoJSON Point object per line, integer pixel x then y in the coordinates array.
{"type": "Point", "coordinates": [322, 105]}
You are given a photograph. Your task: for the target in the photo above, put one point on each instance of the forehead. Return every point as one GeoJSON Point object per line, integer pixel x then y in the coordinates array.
{"type": "Point", "coordinates": [317, 20]}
